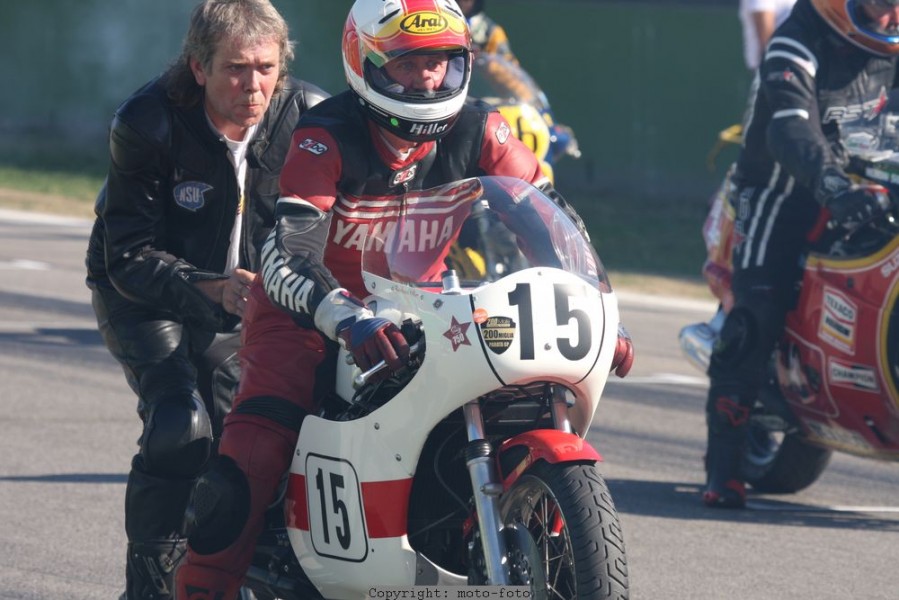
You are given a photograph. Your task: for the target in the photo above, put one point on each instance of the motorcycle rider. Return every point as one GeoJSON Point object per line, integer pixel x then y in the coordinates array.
{"type": "Point", "coordinates": [188, 200]}
{"type": "Point", "coordinates": [403, 125]}
{"type": "Point", "coordinates": [486, 34]}
{"type": "Point", "coordinates": [831, 62]}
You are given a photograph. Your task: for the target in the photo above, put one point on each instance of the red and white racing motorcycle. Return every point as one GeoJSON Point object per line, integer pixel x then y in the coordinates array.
{"type": "Point", "coordinates": [470, 467]}
{"type": "Point", "coordinates": [834, 376]}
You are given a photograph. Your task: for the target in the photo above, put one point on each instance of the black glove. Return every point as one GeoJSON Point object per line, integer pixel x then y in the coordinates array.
{"type": "Point", "coordinates": [375, 339]}
{"type": "Point", "coordinates": [852, 207]}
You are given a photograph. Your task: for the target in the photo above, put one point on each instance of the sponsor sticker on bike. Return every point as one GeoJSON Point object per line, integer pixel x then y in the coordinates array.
{"type": "Point", "coordinates": [855, 377]}
{"type": "Point", "coordinates": [498, 333]}
{"type": "Point", "coordinates": [838, 321]}
{"type": "Point", "coordinates": [458, 334]}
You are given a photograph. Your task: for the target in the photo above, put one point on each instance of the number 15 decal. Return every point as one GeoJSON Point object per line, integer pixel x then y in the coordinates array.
{"type": "Point", "coordinates": [521, 297]}
{"type": "Point", "coordinates": [335, 509]}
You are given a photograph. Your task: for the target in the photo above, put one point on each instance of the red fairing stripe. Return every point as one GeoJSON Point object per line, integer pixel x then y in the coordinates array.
{"type": "Point", "coordinates": [386, 505]}
{"type": "Point", "coordinates": [295, 509]}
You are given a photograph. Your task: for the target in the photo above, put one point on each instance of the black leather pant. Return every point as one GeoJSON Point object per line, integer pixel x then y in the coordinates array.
{"type": "Point", "coordinates": [184, 379]}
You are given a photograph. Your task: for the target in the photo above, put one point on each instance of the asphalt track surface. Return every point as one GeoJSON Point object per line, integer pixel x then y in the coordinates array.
{"type": "Point", "coordinates": [68, 429]}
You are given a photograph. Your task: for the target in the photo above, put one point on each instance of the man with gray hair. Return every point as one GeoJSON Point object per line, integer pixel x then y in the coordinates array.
{"type": "Point", "coordinates": [195, 157]}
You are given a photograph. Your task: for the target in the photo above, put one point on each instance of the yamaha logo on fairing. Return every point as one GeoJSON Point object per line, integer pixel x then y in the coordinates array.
{"type": "Point", "coordinates": [423, 23]}
{"type": "Point", "coordinates": [190, 194]}
{"type": "Point", "coordinates": [428, 128]}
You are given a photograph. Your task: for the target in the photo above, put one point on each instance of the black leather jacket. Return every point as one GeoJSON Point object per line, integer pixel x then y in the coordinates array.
{"type": "Point", "coordinates": [812, 83]}
{"type": "Point", "coordinates": [166, 211]}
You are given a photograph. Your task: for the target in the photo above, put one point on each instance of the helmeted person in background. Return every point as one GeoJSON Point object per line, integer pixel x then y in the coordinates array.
{"type": "Point", "coordinates": [403, 125]}
{"type": "Point", "coordinates": [195, 156]}
{"type": "Point", "coordinates": [486, 34]}
{"type": "Point", "coordinates": [832, 62]}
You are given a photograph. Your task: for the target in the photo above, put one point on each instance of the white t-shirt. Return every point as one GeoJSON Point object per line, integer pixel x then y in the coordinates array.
{"type": "Point", "coordinates": [751, 50]}
{"type": "Point", "coordinates": [237, 152]}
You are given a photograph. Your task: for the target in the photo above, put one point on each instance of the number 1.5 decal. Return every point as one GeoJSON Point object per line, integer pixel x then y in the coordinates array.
{"type": "Point", "coordinates": [522, 297]}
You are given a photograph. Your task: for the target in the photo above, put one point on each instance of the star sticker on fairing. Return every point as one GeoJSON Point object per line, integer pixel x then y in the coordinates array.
{"type": "Point", "coordinates": [457, 334]}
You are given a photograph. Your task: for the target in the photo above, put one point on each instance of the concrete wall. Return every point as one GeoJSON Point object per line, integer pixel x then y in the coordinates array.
{"type": "Point", "coordinates": [645, 85]}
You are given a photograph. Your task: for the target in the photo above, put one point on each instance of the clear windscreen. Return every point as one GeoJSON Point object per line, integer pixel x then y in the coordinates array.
{"type": "Point", "coordinates": [482, 228]}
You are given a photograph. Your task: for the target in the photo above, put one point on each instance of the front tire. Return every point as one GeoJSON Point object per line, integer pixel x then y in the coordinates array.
{"type": "Point", "coordinates": [568, 511]}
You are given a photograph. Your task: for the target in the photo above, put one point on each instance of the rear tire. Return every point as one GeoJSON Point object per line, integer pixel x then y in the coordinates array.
{"type": "Point", "coordinates": [568, 511]}
{"type": "Point", "coordinates": [782, 465]}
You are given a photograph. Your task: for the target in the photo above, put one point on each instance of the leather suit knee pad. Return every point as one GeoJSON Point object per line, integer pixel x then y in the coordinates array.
{"type": "Point", "coordinates": [177, 437]}
{"type": "Point", "coordinates": [737, 340]}
{"type": "Point", "coordinates": [743, 351]}
{"type": "Point", "coordinates": [218, 508]}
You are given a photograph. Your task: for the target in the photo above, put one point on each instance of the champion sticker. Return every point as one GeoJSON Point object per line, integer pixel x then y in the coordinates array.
{"type": "Point", "coordinates": [313, 146]}
{"type": "Point", "coordinates": [498, 333]}
{"type": "Point", "coordinates": [190, 194]}
{"type": "Point", "coordinates": [853, 376]}
{"type": "Point", "coordinates": [458, 334]}
{"type": "Point", "coordinates": [503, 132]}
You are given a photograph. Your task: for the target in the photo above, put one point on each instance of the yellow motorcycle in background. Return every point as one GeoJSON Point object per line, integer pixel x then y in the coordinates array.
{"type": "Point", "coordinates": [507, 86]}
{"type": "Point", "coordinates": [504, 84]}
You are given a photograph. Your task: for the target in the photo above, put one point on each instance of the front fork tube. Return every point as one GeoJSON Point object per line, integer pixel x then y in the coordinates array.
{"type": "Point", "coordinates": [487, 489]}
{"type": "Point", "coordinates": [559, 409]}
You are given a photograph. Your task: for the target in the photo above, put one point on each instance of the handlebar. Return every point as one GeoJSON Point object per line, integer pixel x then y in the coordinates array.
{"type": "Point", "coordinates": [884, 200]}
{"type": "Point", "coordinates": [363, 377]}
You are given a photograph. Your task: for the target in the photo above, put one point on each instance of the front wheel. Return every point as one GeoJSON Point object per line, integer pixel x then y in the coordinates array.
{"type": "Point", "coordinates": [568, 512]}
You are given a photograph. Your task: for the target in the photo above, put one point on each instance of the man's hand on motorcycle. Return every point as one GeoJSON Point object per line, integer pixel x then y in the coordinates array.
{"type": "Point", "coordinates": [623, 359]}
{"type": "Point", "coordinates": [230, 291]}
{"type": "Point", "coordinates": [851, 208]}
{"type": "Point", "coordinates": [237, 290]}
{"type": "Point", "coordinates": [373, 340]}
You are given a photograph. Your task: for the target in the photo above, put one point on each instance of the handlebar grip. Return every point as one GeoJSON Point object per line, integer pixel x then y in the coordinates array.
{"type": "Point", "coordinates": [363, 377]}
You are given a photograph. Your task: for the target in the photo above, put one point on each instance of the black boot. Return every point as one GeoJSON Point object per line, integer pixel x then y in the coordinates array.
{"type": "Point", "coordinates": [150, 569]}
{"type": "Point", "coordinates": [727, 417]}
{"type": "Point", "coordinates": [154, 515]}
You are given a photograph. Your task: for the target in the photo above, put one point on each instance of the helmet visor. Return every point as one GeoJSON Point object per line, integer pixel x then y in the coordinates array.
{"type": "Point", "coordinates": [872, 18]}
{"type": "Point", "coordinates": [420, 76]}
